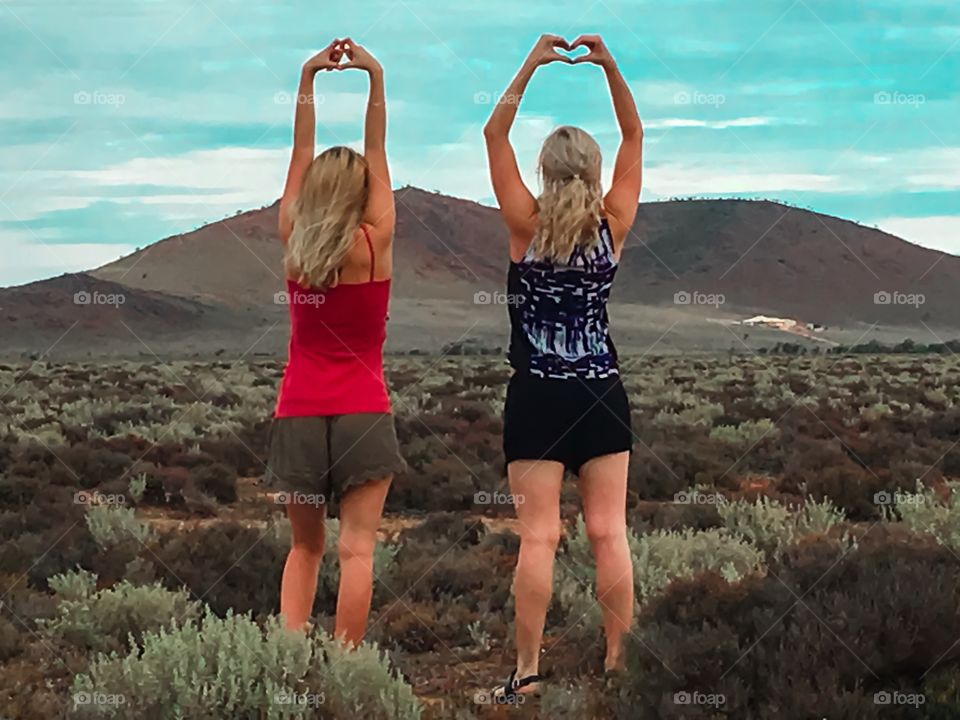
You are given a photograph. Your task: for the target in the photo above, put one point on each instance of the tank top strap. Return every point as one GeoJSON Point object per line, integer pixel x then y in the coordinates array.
{"type": "Point", "coordinates": [373, 259]}
{"type": "Point", "coordinates": [606, 237]}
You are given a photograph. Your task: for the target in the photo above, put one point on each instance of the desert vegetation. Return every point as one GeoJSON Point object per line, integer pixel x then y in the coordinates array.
{"type": "Point", "coordinates": [795, 524]}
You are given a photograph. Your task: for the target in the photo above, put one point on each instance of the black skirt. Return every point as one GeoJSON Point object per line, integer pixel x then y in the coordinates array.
{"type": "Point", "coordinates": [569, 421]}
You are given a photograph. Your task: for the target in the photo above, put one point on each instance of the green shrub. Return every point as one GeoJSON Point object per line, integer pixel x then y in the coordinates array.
{"type": "Point", "coordinates": [138, 486]}
{"type": "Point", "coordinates": [747, 433]}
{"type": "Point", "coordinates": [924, 512]}
{"type": "Point", "coordinates": [771, 525]}
{"type": "Point", "coordinates": [109, 618]}
{"type": "Point", "coordinates": [663, 556]}
{"type": "Point", "coordinates": [233, 667]}
{"type": "Point", "coordinates": [115, 526]}
{"type": "Point", "coordinates": [74, 586]}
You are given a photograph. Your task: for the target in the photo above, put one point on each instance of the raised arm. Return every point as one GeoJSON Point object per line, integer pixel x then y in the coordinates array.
{"type": "Point", "coordinates": [380, 214]}
{"type": "Point", "coordinates": [304, 131]}
{"type": "Point", "coordinates": [517, 204]}
{"type": "Point", "coordinates": [623, 196]}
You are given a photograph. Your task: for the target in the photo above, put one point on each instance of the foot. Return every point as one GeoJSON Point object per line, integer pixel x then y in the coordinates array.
{"type": "Point", "coordinates": [614, 663]}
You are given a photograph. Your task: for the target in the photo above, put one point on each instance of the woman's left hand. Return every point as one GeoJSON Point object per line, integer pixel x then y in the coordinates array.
{"type": "Point", "coordinates": [598, 55]}
{"type": "Point", "coordinates": [327, 59]}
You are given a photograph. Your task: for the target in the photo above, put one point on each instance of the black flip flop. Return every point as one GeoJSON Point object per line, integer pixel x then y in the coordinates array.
{"type": "Point", "coordinates": [507, 693]}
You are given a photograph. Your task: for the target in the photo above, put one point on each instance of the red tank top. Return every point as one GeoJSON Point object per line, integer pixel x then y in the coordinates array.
{"type": "Point", "coordinates": [335, 360]}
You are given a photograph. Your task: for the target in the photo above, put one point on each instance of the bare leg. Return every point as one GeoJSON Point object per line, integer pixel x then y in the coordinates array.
{"type": "Point", "coordinates": [603, 487]}
{"type": "Point", "coordinates": [536, 489]}
{"type": "Point", "coordinates": [360, 514]}
{"type": "Point", "coordinates": [298, 587]}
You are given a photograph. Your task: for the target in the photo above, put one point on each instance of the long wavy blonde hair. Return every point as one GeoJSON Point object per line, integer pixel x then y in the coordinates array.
{"type": "Point", "coordinates": [571, 201]}
{"type": "Point", "coordinates": [325, 217]}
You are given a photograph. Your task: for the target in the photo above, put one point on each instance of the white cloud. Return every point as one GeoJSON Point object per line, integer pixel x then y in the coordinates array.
{"type": "Point", "coordinates": [679, 179]}
{"type": "Point", "coordinates": [939, 232]}
{"type": "Point", "coordinates": [35, 259]}
{"type": "Point", "coordinates": [714, 124]}
{"type": "Point", "coordinates": [226, 180]}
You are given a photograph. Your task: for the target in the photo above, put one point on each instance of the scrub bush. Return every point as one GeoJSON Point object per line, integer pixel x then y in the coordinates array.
{"type": "Point", "coordinates": [770, 525]}
{"type": "Point", "coordinates": [111, 618]}
{"type": "Point", "coordinates": [817, 636]}
{"type": "Point", "coordinates": [233, 667]}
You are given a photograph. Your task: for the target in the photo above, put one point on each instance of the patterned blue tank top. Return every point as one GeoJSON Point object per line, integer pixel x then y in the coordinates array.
{"type": "Point", "coordinates": [558, 313]}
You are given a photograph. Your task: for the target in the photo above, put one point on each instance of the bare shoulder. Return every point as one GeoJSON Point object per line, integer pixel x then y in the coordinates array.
{"type": "Point", "coordinates": [377, 252]}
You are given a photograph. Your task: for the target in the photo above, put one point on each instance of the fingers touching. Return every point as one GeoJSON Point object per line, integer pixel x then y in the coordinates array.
{"type": "Point", "coordinates": [341, 54]}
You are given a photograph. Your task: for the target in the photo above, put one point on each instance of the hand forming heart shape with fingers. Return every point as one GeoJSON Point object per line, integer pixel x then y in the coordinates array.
{"type": "Point", "coordinates": [342, 54]}
{"type": "Point", "coordinates": [553, 48]}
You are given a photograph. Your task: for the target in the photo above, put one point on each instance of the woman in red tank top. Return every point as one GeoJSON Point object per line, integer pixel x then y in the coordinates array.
{"type": "Point", "coordinates": [333, 436]}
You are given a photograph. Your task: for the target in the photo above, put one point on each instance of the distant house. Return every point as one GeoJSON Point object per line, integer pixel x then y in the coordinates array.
{"type": "Point", "coordinates": [772, 322]}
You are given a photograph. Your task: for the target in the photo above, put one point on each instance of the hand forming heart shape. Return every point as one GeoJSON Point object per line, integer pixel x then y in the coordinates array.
{"type": "Point", "coordinates": [342, 54]}
{"type": "Point", "coordinates": [553, 48]}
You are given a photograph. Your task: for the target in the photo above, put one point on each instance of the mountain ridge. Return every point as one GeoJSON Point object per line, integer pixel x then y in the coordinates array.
{"type": "Point", "coordinates": [728, 258]}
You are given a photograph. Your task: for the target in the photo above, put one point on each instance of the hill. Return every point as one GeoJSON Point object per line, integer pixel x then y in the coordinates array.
{"type": "Point", "coordinates": [687, 264]}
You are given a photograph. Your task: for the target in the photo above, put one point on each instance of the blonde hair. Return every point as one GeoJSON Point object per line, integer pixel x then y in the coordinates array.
{"type": "Point", "coordinates": [325, 217]}
{"type": "Point", "coordinates": [571, 200]}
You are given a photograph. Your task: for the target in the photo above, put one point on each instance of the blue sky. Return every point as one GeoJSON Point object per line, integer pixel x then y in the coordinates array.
{"type": "Point", "coordinates": [126, 122]}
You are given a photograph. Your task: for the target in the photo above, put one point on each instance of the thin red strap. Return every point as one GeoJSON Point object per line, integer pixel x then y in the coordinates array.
{"type": "Point", "coordinates": [370, 248]}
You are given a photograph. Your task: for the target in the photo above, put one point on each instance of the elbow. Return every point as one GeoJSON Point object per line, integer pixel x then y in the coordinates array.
{"type": "Point", "coordinates": [492, 131]}
{"type": "Point", "coordinates": [633, 132]}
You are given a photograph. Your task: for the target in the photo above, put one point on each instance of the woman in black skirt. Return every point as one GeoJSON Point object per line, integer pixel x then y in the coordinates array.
{"type": "Point", "coordinates": [566, 408]}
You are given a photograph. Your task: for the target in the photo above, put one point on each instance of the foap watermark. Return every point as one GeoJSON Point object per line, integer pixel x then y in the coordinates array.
{"type": "Point", "coordinates": [497, 498]}
{"type": "Point", "coordinates": [683, 297]}
{"type": "Point", "coordinates": [286, 98]}
{"type": "Point", "coordinates": [485, 697]}
{"type": "Point", "coordinates": [695, 497]}
{"type": "Point", "coordinates": [298, 297]}
{"type": "Point", "coordinates": [95, 497]}
{"type": "Point", "coordinates": [896, 297]}
{"type": "Point", "coordinates": [299, 498]}
{"type": "Point", "coordinates": [98, 298]}
{"type": "Point", "coordinates": [895, 97]}
{"type": "Point", "coordinates": [482, 297]}
{"type": "Point", "coordinates": [496, 98]}
{"type": "Point", "coordinates": [98, 699]}
{"type": "Point", "coordinates": [698, 698]}
{"type": "Point", "coordinates": [895, 697]}
{"type": "Point", "coordinates": [299, 700]}
{"type": "Point", "coordinates": [890, 499]}
{"type": "Point", "coordinates": [99, 97]}
{"type": "Point", "coordinates": [695, 97]}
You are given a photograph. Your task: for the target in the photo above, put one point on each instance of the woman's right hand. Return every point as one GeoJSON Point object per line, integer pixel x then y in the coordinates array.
{"type": "Point", "coordinates": [327, 59]}
{"type": "Point", "coordinates": [359, 57]}
{"type": "Point", "coordinates": [545, 51]}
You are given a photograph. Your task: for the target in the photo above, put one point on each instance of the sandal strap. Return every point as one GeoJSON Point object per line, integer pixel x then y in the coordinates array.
{"type": "Point", "coordinates": [512, 684]}
{"type": "Point", "coordinates": [528, 680]}
{"type": "Point", "coordinates": [508, 689]}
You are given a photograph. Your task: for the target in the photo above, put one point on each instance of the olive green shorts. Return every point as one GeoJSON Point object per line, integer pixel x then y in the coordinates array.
{"type": "Point", "coordinates": [321, 458]}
